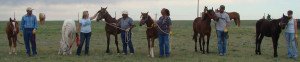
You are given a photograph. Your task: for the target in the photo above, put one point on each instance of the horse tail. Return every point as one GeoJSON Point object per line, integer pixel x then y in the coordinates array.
{"type": "Point", "coordinates": [195, 29]}
{"type": "Point", "coordinates": [239, 20]}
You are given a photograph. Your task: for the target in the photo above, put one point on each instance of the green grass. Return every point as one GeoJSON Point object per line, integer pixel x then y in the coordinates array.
{"type": "Point", "coordinates": [240, 49]}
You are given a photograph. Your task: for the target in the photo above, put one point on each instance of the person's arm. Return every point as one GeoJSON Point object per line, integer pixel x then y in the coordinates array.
{"type": "Point", "coordinates": [78, 27]}
{"type": "Point", "coordinates": [131, 24]}
{"type": "Point", "coordinates": [228, 21]}
{"type": "Point", "coordinates": [35, 23]}
{"type": "Point", "coordinates": [93, 17]}
{"type": "Point", "coordinates": [295, 25]}
{"type": "Point", "coordinates": [22, 24]}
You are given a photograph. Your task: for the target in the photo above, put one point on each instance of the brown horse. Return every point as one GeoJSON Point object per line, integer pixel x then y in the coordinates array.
{"type": "Point", "coordinates": [12, 30]}
{"type": "Point", "coordinates": [270, 29]}
{"type": "Point", "coordinates": [110, 27]}
{"type": "Point", "coordinates": [202, 26]}
{"type": "Point", "coordinates": [152, 31]}
{"type": "Point", "coordinates": [42, 18]}
{"type": "Point", "coordinates": [233, 15]}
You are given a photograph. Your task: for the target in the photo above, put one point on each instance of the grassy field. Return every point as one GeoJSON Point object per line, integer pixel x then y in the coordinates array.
{"type": "Point", "coordinates": [240, 49]}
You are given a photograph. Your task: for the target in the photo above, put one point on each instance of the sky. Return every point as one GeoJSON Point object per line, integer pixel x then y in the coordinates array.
{"type": "Point", "coordinates": [179, 9]}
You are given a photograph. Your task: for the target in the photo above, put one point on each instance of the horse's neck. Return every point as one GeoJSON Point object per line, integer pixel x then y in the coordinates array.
{"type": "Point", "coordinates": [108, 18]}
{"type": "Point", "coordinates": [149, 22]}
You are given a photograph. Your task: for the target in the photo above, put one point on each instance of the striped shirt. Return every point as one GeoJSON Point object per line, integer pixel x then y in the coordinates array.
{"type": "Point", "coordinates": [28, 22]}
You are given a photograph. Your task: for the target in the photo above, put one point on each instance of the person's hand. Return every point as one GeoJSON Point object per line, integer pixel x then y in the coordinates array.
{"type": "Point", "coordinates": [127, 30]}
{"type": "Point", "coordinates": [225, 30]}
{"type": "Point", "coordinates": [33, 31]}
{"type": "Point", "coordinates": [21, 33]}
{"type": "Point", "coordinates": [296, 36]}
{"type": "Point", "coordinates": [171, 33]}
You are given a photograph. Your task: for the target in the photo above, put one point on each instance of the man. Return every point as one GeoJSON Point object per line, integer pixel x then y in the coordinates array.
{"type": "Point", "coordinates": [222, 33]}
{"type": "Point", "coordinates": [126, 24]}
{"type": "Point", "coordinates": [28, 27]}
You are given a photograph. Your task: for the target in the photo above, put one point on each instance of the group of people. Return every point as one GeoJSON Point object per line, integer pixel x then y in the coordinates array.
{"type": "Point", "coordinates": [29, 26]}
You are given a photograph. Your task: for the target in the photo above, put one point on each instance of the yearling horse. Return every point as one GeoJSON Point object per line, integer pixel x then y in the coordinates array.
{"type": "Point", "coordinates": [110, 27]}
{"type": "Point", "coordinates": [202, 26]}
{"type": "Point", "coordinates": [270, 29]}
{"type": "Point", "coordinates": [12, 30]}
{"type": "Point", "coordinates": [152, 31]}
{"type": "Point", "coordinates": [42, 18]}
{"type": "Point", "coordinates": [67, 40]}
{"type": "Point", "coordinates": [233, 15]}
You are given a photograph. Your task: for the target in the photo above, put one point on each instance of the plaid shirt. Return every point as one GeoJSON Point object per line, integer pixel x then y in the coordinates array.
{"type": "Point", "coordinates": [28, 22]}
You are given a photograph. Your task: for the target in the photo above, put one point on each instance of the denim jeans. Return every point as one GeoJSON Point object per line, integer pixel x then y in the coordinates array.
{"type": "Point", "coordinates": [290, 39]}
{"type": "Point", "coordinates": [222, 41]}
{"type": "Point", "coordinates": [163, 44]}
{"type": "Point", "coordinates": [86, 37]}
{"type": "Point", "coordinates": [29, 38]}
{"type": "Point", "coordinates": [126, 41]}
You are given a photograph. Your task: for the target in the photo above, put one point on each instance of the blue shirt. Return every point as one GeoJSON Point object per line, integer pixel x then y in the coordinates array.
{"type": "Point", "coordinates": [28, 22]}
{"type": "Point", "coordinates": [164, 24]}
{"type": "Point", "coordinates": [222, 22]}
{"type": "Point", "coordinates": [85, 25]}
{"type": "Point", "coordinates": [125, 23]}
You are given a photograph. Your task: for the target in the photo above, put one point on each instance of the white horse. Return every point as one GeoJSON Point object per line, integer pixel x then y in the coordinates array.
{"type": "Point", "coordinates": [68, 31]}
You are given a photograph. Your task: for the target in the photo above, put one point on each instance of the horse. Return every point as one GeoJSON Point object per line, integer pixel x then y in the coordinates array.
{"type": "Point", "coordinates": [202, 26]}
{"type": "Point", "coordinates": [269, 29]}
{"type": "Point", "coordinates": [110, 27]}
{"type": "Point", "coordinates": [12, 30]}
{"type": "Point", "coordinates": [151, 32]}
{"type": "Point", "coordinates": [67, 40]}
{"type": "Point", "coordinates": [233, 15]}
{"type": "Point", "coordinates": [42, 18]}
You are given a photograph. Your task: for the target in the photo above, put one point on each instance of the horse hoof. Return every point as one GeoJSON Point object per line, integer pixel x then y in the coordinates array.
{"type": "Point", "coordinates": [9, 53]}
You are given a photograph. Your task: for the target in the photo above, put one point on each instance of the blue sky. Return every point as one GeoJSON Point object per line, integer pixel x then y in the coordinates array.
{"type": "Point", "coordinates": [180, 9]}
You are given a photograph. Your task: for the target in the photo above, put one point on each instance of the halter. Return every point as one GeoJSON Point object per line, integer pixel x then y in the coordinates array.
{"type": "Point", "coordinates": [146, 19]}
{"type": "Point", "coordinates": [102, 15]}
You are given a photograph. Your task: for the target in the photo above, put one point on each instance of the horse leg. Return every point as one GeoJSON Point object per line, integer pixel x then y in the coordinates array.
{"type": "Point", "coordinates": [10, 43]}
{"type": "Point", "coordinates": [256, 43]}
{"type": "Point", "coordinates": [15, 44]}
{"type": "Point", "coordinates": [148, 40]}
{"type": "Point", "coordinates": [200, 44]}
{"type": "Point", "coordinates": [152, 45]}
{"type": "Point", "coordinates": [116, 42]}
{"type": "Point", "coordinates": [203, 44]}
{"type": "Point", "coordinates": [259, 44]}
{"type": "Point", "coordinates": [275, 44]}
{"type": "Point", "coordinates": [207, 49]}
{"type": "Point", "coordinates": [108, 39]}
{"type": "Point", "coordinates": [195, 39]}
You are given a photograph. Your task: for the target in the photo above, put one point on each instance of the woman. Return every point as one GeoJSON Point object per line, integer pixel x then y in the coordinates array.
{"type": "Point", "coordinates": [291, 35]}
{"type": "Point", "coordinates": [164, 24]}
{"type": "Point", "coordinates": [85, 32]}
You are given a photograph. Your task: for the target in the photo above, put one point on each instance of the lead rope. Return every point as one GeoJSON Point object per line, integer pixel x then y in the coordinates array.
{"type": "Point", "coordinates": [126, 33]}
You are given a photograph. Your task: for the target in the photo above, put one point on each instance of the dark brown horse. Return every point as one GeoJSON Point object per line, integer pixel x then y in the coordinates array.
{"type": "Point", "coordinates": [270, 29]}
{"type": "Point", "coordinates": [12, 30]}
{"type": "Point", "coordinates": [110, 27]}
{"type": "Point", "coordinates": [202, 26]}
{"type": "Point", "coordinates": [152, 31]}
{"type": "Point", "coordinates": [235, 16]}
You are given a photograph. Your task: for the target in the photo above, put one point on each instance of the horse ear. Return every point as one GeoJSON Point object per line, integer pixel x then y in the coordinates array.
{"type": "Point", "coordinates": [147, 12]}
{"type": "Point", "coordinates": [10, 19]}
{"type": "Point", "coordinates": [212, 8]}
{"type": "Point", "coordinates": [106, 8]}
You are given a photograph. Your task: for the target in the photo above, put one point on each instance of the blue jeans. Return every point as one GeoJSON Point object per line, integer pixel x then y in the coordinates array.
{"type": "Point", "coordinates": [290, 39]}
{"type": "Point", "coordinates": [222, 41]}
{"type": "Point", "coordinates": [29, 38]}
{"type": "Point", "coordinates": [86, 37]}
{"type": "Point", "coordinates": [163, 44]}
{"type": "Point", "coordinates": [126, 41]}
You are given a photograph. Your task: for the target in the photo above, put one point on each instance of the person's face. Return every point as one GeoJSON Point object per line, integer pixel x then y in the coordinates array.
{"type": "Point", "coordinates": [289, 14]}
{"type": "Point", "coordinates": [86, 15]}
{"type": "Point", "coordinates": [29, 12]}
{"type": "Point", "coordinates": [221, 10]}
{"type": "Point", "coordinates": [162, 12]}
{"type": "Point", "coordinates": [125, 15]}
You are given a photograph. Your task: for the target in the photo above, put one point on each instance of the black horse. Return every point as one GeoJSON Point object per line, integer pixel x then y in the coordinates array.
{"type": "Point", "coordinates": [270, 29]}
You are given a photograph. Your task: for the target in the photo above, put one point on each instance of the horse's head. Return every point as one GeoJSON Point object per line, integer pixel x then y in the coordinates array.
{"type": "Point", "coordinates": [284, 20]}
{"type": "Point", "coordinates": [144, 18]}
{"type": "Point", "coordinates": [101, 14]}
{"type": "Point", "coordinates": [210, 15]}
{"type": "Point", "coordinates": [13, 24]}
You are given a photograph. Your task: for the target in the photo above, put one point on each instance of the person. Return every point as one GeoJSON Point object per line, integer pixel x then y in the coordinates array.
{"type": "Point", "coordinates": [222, 25]}
{"type": "Point", "coordinates": [85, 32]}
{"type": "Point", "coordinates": [126, 24]}
{"type": "Point", "coordinates": [28, 27]}
{"type": "Point", "coordinates": [164, 23]}
{"type": "Point", "coordinates": [291, 36]}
